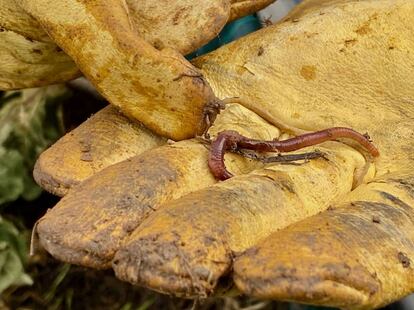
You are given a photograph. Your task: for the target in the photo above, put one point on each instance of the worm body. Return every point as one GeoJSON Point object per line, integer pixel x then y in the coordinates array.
{"type": "Point", "coordinates": [309, 139]}
{"type": "Point", "coordinates": [231, 140]}
{"type": "Point", "coordinates": [225, 141]}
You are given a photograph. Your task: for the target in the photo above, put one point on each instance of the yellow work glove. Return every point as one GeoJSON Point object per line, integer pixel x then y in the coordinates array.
{"type": "Point", "coordinates": [130, 50]}
{"type": "Point", "coordinates": [335, 231]}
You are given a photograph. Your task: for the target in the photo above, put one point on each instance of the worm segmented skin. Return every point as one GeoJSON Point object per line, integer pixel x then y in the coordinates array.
{"type": "Point", "coordinates": [231, 140]}
{"type": "Point", "coordinates": [226, 140]}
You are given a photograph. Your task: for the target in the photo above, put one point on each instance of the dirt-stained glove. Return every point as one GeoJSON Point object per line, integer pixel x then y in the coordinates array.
{"type": "Point", "coordinates": [336, 230]}
{"type": "Point", "coordinates": [130, 50]}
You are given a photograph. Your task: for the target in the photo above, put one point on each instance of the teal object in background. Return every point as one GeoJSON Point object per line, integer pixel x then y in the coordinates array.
{"type": "Point", "coordinates": [230, 32]}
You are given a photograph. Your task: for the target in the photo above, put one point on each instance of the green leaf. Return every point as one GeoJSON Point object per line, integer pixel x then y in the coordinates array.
{"type": "Point", "coordinates": [12, 173]}
{"type": "Point", "coordinates": [62, 273]}
{"type": "Point", "coordinates": [13, 251]}
{"type": "Point", "coordinates": [30, 121]}
{"type": "Point", "coordinates": [146, 304]}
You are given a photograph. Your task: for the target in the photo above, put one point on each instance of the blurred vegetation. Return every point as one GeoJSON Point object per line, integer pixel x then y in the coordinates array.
{"type": "Point", "coordinates": [30, 121]}
{"type": "Point", "coordinates": [13, 256]}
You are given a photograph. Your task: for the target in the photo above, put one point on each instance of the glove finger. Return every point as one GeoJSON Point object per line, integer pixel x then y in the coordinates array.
{"type": "Point", "coordinates": [109, 137]}
{"type": "Point", "coordinates": [88, 225]}
{"type": "Point", "coordinates": [106, 138]}
{"type": "Point", "coordinates": [241, 8]}
{"type": "Point", "coordinates": [179, 24]}
{"type": "Point", "coordinates": [357, 255]}
{"type": "Point", "coordinates": [188, 245]}
{"type": "Point", "coordinates": [160, 88]}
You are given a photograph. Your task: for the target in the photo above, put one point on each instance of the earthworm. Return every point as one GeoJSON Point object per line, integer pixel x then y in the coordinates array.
{"type": "Point", "coordinates": [231, 140]}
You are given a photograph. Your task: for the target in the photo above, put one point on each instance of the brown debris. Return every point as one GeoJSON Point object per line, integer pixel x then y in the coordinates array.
{"type": "Point", "coordinates": [404, 259]}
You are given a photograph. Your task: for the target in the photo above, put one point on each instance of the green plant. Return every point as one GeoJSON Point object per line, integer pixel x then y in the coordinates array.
{"type": "Point", "coordinates": [30, 121]}
{"type": "Point", "coordinates": [13, 255]}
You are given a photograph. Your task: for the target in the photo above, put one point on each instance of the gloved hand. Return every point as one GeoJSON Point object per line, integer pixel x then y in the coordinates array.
{"type": "Point", "coordinates": [131, 51]}
{"type": "Point", "coordinates": [334, 231]}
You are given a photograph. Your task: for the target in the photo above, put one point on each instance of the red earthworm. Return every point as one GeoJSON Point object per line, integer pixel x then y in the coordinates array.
{"type": "Point", "coordinates": [227, 140]}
